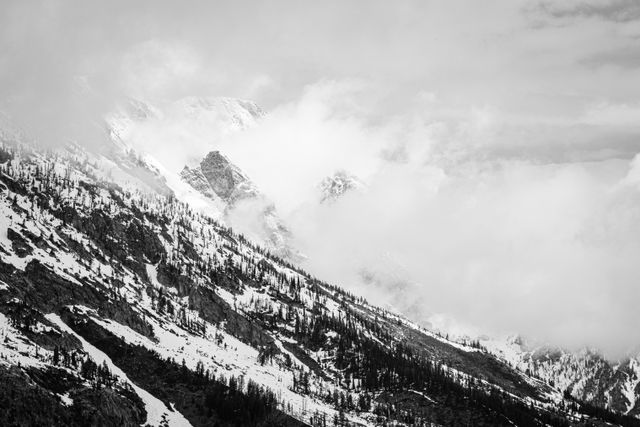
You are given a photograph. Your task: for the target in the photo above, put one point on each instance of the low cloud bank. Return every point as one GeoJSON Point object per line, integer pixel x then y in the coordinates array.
{"type": "Point", "coordinates": [454, 222]}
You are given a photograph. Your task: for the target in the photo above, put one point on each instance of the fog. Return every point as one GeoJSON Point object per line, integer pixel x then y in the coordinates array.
{"type": "Point", "coordinates": [498, 141]}
{"type": "Point", "coordinates": [488, 239]}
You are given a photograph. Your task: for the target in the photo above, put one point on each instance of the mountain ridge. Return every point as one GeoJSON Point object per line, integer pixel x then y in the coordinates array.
{"type": "Point", "coordinates": [140, 272]}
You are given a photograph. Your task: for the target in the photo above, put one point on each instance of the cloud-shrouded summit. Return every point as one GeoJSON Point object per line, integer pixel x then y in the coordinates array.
{"type": "Point", "coordinates": [494, 145]}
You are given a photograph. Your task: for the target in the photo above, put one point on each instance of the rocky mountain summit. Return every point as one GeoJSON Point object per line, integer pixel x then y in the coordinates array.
{"type": "Point", "coordinates": [219, 179]}
{"type": "Point", "coordinates": [217, 175]}
{"type": "Point", "coordinates": [215, 179]}
{"type": "Point", "coordinates": [335, 186]}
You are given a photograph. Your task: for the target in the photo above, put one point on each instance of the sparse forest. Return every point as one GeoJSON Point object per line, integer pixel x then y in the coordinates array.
{"type": "Point", "coordinates": [157, 272]}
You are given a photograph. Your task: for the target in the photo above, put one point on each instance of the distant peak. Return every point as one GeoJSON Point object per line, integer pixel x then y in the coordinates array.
{"type": "Point", "coordinates": [241, 113]}
{"type": "Point", "coordinates": [335, 186]}
{"type": "Point", "coordinates": [216, 174]}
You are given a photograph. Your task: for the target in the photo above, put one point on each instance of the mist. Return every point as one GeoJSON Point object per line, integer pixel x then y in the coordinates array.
{"type": "Point", "coordinates": [498, 142]}
{"type": "Point", "coordinates": [491, 240]}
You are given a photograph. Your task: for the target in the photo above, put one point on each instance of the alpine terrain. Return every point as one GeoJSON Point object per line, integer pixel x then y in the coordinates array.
{"type": "Point", "coordinates": [125, 302]}
{"type": "Point", "coordinates": [317, 214]}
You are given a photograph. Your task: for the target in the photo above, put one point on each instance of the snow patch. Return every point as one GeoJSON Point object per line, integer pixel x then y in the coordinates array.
{"type": "Point", "coordinates": [155, 408]}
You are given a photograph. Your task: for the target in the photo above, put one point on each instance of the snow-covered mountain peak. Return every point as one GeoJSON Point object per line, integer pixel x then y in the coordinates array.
{"type": "Point", "coordinates": [213, 181]}
{"type": "Point", "coordinates": [122, 121]}
{"type": "Point", "coordinates": [335, 186]}
{"type": "Point", "coordinates": [238, 114]}
{"type": "Point", "coordinates": [245, 207]}
{"type": "Point", "coordinates": [224, 178]}
{"type": "Point", "coordinates": [141, 110]}
{"type": "Point", "coordinates": [221, 115]}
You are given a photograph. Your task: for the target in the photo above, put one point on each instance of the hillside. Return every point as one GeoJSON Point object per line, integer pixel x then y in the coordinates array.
{"type": "Point", "coordinates": [122, 306]}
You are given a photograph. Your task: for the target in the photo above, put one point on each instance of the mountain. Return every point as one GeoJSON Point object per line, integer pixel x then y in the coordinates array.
{"type": "Point", "coordinates": [122, 306]}
{"type": "Point", "coordinates": [585, 375]}
{"type": "Point", "coordinates": [121, 122]}
{"type": "Point", "coordinates": [214, 184]}
{"type": "Point", "coordinates": [227, 115]}
{"type": "Point", "coordinates": [216, 175]}
{"type": "Point", "coordinates": [335, 186]}
{"type": "Point", "coordinates": [218, 179]}
{"type": "Point", "coordinates": [231, 113]}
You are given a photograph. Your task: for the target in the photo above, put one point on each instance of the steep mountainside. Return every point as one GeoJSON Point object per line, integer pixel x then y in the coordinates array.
{"type": "Point", "coordinates": [584, 375]}
{"type": "Point", "coordinates": [214, 184]}
{"type": "Point", "coordinates": [217, 175]}
{"type": "Point", "coordinates": [226, 114]}
{"type": "Point", "coordinates": [231, 113]}
{"type": "Point", "coordinates": [121, 306]}
{"type": "Point", "coordinates": [217, 178]}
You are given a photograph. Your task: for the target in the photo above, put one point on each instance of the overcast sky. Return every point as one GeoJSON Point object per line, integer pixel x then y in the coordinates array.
{"type": "Point", "coordinates": [497, 138]}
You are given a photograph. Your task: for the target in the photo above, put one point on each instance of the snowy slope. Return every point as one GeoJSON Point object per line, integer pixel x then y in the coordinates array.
{"type": "Point", "coordinates": [99, 270]}
{"type": "Point", "coordinates": [585, 374]}
{"type": "Point", "coordinates": [155, 408]}
{"type": "Point", "coordinates": [245, 207]}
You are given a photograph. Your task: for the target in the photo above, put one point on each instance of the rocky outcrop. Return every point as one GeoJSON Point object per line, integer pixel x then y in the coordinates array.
{"type": "Point", "coordinates": [195, 178]}
{"type": "Point", "coordinates": [213, 308]}
{"type": "Point", "coordinates": [40, 288]}
{"type": "Point", "coordinates": [217, 175]}
{"type": "Point", "coordinates": [19, 244]}
{"type": "Point", "coordinates": [218, 179]}
{"type": "Point", "coordinates": [31, 397]}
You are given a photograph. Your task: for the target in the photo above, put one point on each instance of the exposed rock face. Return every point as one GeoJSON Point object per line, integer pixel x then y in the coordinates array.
{"type": "Point", "coordinates": [31, 397]}
{"type": "Point", "coordinates": [19, 244]}
{"type": "Point", "coordinates": [197, 180]}
{"type": "Point", "coordinates": [335, 186]}
{"type": "Point", "coordinates": [216, 175]}
{"type": "Point", "coordinates": [226, 179]}
{"type": "Point", "coordinates": [217, 178]}
{"type": "Point", "coordinates": [219, 116]}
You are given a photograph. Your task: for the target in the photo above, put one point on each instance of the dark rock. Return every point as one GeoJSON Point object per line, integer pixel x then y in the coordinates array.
{"type": "Point", "coordinates": [42, 289]}
{"type": "Point", "coordinates": [13, 185]}
{"type": "Point", "coordinates": [215, 310]}
{"type": "Point", "coordinates": [19, 244]}
{"type": "Point", "coordinates": [217, 175]}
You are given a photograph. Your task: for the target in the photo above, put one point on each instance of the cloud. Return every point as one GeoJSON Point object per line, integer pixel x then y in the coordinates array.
{"type": "Point", "coordinates": [495, 138]}
{"type": "Point", "coordinates": [624, 57]}
{"type": "Point", "coordinates": [507, 223]}
{"type": "Point", "coordinates": [60, 70]}
{"type": "Point", "coordinates": [613, 115]}
{"type": "Point", "coordinates": [160, 70]}
{"type": "Point", "coordinates": [308, 139]}
{"type": "Point", "coordinates": [610, 10]}
{"type": "Point", "coordinates": [449, 225]}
